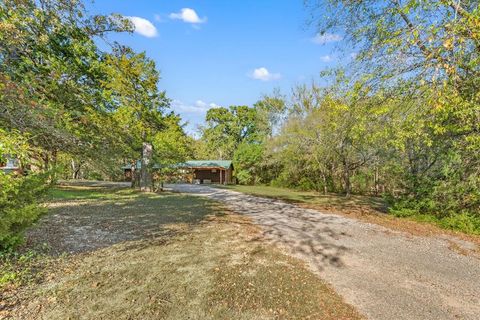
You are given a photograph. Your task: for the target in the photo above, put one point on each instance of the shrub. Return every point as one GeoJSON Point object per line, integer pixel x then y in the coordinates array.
{"type": "Point", "coordinates": [306, 184]}
{"type": "Point", "coordinates": [465, 222]}
{"type": "Point", "coordinates": [403, 212]}
{"type": "Point", "coordinates": [19, 206]}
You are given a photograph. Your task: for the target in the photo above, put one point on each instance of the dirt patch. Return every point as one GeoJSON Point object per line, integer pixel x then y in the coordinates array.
{"type": "Point", "coordinates": [83, 222]}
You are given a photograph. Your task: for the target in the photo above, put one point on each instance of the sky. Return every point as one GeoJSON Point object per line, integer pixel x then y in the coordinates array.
{"type": "Point", "coordinates": [220, 53]}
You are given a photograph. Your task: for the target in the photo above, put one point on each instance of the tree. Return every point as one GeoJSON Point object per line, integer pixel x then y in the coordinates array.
{"type": "Point", "coordinates": [270, 111]}
{"type": "Point", "coordinates": [66, 99]}
{"type": "Point", "coordinates": [248, 158]}
{"type": "Point", "coordinates": [227, 128]}
{"type": "Point", "coordinates": [330, 129]}
{"type": "Point", "coordinates": [426, 54]}
{"type": "Point", "coordinates": [172, 146]}
{"type": "Point", "coordinates": [50, 69]}
{"type": "Point", "coordinates": [132, 87]}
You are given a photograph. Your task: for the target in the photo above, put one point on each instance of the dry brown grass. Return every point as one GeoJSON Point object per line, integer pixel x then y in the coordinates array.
{"type": "Point", "coordinates": [214, 268]}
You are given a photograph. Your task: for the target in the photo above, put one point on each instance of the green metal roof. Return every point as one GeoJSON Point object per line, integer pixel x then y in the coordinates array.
{"type": "Point", "coordinates": [225, 164]}
{"type": "Point", "coordinates": [138, 165]}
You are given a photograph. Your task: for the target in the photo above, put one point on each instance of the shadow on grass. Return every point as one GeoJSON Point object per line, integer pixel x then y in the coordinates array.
{"type": "Point", "coordinates": [303, 232]}
{"type": "Point", "coordinates": [85, 220]}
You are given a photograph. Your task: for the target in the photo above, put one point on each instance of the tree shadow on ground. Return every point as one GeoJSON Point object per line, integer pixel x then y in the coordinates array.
{"type": "Point", "coordinates": [315, 237]}
{"type": "Point", "coordinates": [304, 235]}
{"type": "Point", "coordinates": [87, 224]}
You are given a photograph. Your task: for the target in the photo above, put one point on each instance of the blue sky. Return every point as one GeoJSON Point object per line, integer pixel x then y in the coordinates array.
{"type": "Point", "coordinates": [216, 52]}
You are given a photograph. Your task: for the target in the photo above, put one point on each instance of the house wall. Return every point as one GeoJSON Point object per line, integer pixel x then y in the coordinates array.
{"type": "Point", "coordinates": [12, 165]}
{"type": "Point", "coordinates": [198, 174]}
{"type": "Point", "coordinates": [208, 174]}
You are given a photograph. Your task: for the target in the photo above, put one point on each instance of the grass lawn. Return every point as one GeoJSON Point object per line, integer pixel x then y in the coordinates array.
{"type": "Point", "coordinates": [118, 254]}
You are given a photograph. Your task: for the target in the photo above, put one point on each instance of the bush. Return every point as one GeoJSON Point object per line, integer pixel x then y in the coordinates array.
{"type": "Point", "coordinates": [306, 184]}
{"type": "Point", "coordinates": [19, 206]}
{"type": "Point", "coordinates": [464, 222]}
{"type": "Point", "coordinates": [244, 177]}
{"type": "Point", "coordinates": [403, 212]}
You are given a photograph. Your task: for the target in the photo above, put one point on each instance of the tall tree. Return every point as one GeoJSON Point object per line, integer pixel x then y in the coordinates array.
{"type": "Point", "coordinates": [132, 87]}
{"type": "Point", "coordinates": [227, 128]}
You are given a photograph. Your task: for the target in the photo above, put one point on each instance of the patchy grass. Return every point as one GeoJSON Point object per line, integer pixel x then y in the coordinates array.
{"type": "Point", "coordinates": [369, 209]}
{"type": "Point", "coordinates": [327, 201]}
{"type": "Point", "coordinates": [18, 268]}
{"type": "Point", "coordinates": [265, 282]}
{"type": "Point", "coordinates": [187, 259]}
{"type": "Point", "coordinates": [467, 223]}
{"type": "Point", "coordinates": [86, 190]}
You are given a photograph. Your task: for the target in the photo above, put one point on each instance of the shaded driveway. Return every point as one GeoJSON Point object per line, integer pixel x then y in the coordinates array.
{"type": "Point", "coordinates": [385, 274]}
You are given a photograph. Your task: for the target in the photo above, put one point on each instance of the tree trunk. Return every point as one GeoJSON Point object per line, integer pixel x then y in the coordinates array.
{"type": "Point", "coordinates": [324, 178]}
{"type": "Point", "coordinates": [376, 178]}
{"type": "Point", "coordinates": [346, 178]}
{"type": "Point", "coordinates": [76, 170]}
{"type": "Point", "coordinates": [46, 161]}
{"type": "Point", "coordinates": [133, 174]}
{"type": "Point", "coordinates": [333, 177]}
{"type": "Point", "coordinates": [145, 176]}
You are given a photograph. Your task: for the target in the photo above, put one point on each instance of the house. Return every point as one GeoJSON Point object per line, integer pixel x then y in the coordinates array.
{"type": "Point", "coordinates": [11, 165]}
{"type": "Point", "coordinates": [127, 169]}
{"type": "Point", "coordinates": [210, 171]}
{"type": "Point", "coordinates": [196, 171]}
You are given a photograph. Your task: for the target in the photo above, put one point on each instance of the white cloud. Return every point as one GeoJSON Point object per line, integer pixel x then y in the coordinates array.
{"type": "Point", "coordinates": [198, 107]}
{"type": "Point", "coordinates": [326, 58]}
{"type": "Point", "coordinates": [326, 38]}
{"type": "Point", "coordinates": [193, 113]}
{"type": "Point", "coordinates": [201, 104]}
{"type": "Point", "coordinates": [143, 27]}
{"type": "Point", "coordinates": [187, 15]}
{"type": "Point", "coordinates": [204, 105]}
{"type": "Point", "coordinates": [263, 74]}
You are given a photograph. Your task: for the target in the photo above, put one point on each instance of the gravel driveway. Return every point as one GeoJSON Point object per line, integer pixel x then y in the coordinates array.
{"type": "Point", "coordinates": [384, 273]}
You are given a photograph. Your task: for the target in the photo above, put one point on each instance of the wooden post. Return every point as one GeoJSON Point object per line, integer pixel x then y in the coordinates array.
{"type": "Point", "coordinates": [220, 176]}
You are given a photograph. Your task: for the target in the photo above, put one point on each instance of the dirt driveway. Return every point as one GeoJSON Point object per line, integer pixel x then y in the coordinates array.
{"type": "Point", "coordinates": [385, 274]}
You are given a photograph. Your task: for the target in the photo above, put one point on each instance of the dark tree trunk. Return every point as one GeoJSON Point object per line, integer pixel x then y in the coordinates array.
{"type": "Point", "coordinates": [376, 179]}
{"type": "Point", "coordinates": [76, 170]}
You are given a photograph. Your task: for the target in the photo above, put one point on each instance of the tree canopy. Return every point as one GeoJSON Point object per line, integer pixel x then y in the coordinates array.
{"type": "Point", "coordinates": [66, 103]}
